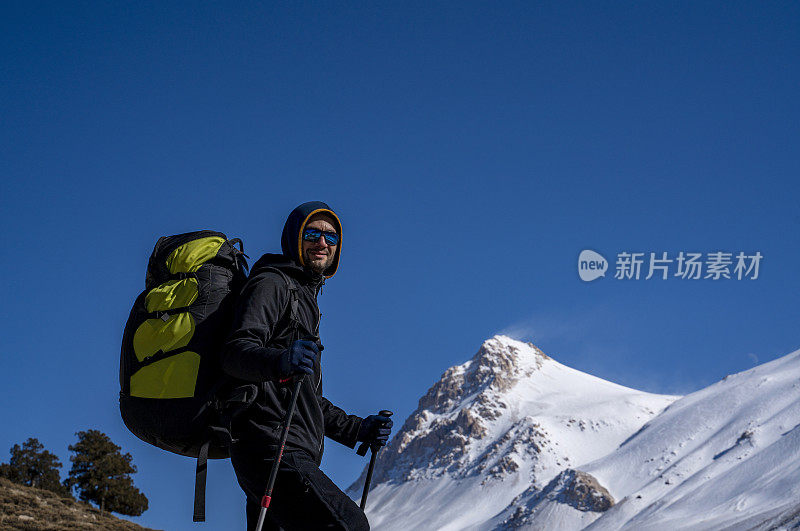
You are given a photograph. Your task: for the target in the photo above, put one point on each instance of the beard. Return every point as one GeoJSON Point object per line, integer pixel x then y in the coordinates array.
{"type": "Point", "coordinates": [318, 265]}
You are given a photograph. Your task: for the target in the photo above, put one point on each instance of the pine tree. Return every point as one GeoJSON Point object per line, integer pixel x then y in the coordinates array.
{"type": "Point", "coordinates": [34, 466]}
{"type": "Point", "coordinates": [101, 474]}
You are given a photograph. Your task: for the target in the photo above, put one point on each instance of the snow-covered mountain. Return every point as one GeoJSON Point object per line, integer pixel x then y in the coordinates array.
{"type": "Point", "coordinates": [513, 439]}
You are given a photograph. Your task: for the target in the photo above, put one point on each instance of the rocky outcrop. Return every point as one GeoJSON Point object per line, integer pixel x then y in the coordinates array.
{"type": "Point", "coordinates": [571, 487]}
{"type": "Point", "coordinates": [583, 492]}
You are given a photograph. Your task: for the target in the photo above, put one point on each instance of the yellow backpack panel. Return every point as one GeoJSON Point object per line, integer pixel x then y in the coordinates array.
{"type": "Point", "coordinates": [172, 377]}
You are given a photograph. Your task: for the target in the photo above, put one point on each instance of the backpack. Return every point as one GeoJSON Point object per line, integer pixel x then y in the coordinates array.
{"type": "Point", "coordinates": [173, 393]}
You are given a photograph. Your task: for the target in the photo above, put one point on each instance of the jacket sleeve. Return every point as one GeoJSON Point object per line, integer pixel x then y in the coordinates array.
{"type": "Point", "coordinates": [339, 426]}
{"type": "Point", "coordinates": [258, 309]}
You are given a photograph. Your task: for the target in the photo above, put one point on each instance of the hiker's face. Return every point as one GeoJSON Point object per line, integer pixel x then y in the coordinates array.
{"type": "Point", "coordinates": [318, 255]}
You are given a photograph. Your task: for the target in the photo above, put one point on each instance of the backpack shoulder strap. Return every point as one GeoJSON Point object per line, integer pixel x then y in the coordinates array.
{"type": "Point", "coordinates": [294, 298]}
{"type": "Point", "coordinates": [291, 307]}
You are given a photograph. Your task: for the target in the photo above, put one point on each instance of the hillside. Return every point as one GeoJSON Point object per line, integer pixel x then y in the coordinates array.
{"type": "Point", "coordinates": [33, 509]}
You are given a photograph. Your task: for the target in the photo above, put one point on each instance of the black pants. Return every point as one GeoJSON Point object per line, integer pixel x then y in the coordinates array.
{"type": "Point", "coordinates": [303, 498]}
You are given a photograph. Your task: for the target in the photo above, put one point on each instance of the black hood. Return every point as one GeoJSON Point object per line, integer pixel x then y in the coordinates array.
{"type": "Point", "coordinates": [291, 242]}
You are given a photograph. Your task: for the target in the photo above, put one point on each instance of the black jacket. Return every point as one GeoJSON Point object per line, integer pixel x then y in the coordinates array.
{"type": "Point", "coordinates": [262, 330]}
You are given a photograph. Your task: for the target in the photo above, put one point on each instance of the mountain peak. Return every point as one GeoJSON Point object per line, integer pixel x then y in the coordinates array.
{"type": "Point", "coordinates": [500, 415]}
{"type": "Point", "coordinates": [504, 353]}
{"type": "Point", "coordinates": [498, 364]}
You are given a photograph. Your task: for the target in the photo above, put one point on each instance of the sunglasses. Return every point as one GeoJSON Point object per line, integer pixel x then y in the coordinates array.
{"type": "Point", "coordinates": [312, 235]}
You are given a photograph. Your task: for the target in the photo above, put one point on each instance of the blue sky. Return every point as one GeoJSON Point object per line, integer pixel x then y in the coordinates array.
{"type": "Point", "coordinates": [471, 149]}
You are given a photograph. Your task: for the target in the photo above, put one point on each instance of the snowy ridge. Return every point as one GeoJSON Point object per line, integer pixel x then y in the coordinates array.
{"type": "Point", "coordinates": [504, 423]}
{"type": "Point", "coordinates": [727, 456]}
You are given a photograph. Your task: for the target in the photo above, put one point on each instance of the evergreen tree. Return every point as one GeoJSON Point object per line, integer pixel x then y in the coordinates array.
{"type": "Point", "coordinates": [101, 474]}
{"type": "Point", "coordinates": [34, 466]}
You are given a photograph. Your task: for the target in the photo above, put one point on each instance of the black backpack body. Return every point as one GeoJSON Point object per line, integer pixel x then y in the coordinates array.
{"type": "Point", "coordinates": [172, 390]}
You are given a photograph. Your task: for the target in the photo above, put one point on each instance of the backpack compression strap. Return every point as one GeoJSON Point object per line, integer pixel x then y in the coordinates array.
{"type": "Point", "coordinates": [200, 483]}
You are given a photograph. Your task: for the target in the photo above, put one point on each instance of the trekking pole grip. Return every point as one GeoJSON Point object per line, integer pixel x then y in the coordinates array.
{"type": "Point", "coordinates": [362, 449]}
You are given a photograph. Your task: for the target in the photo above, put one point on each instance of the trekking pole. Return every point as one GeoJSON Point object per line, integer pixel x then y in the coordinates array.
{"type": "Point", "coordinates": [287, 421]}
{"type": "Point", "coordinates": [362, 450]}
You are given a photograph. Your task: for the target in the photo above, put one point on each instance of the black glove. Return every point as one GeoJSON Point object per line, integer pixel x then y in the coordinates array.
{"type": "Point", "coordinates": [375, 430]}
{"type": "Point", "coordinates": [298, 359]}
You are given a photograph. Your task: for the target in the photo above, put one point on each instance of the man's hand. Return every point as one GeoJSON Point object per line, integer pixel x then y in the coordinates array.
{"type": "Point", "coordinates": [299, 359]}
{"type": "Point", "coordinates": [375, 430]}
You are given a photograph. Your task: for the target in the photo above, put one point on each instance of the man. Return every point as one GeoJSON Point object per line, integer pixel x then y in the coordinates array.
{"type": "Point", "coordinates": [275, 338]}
